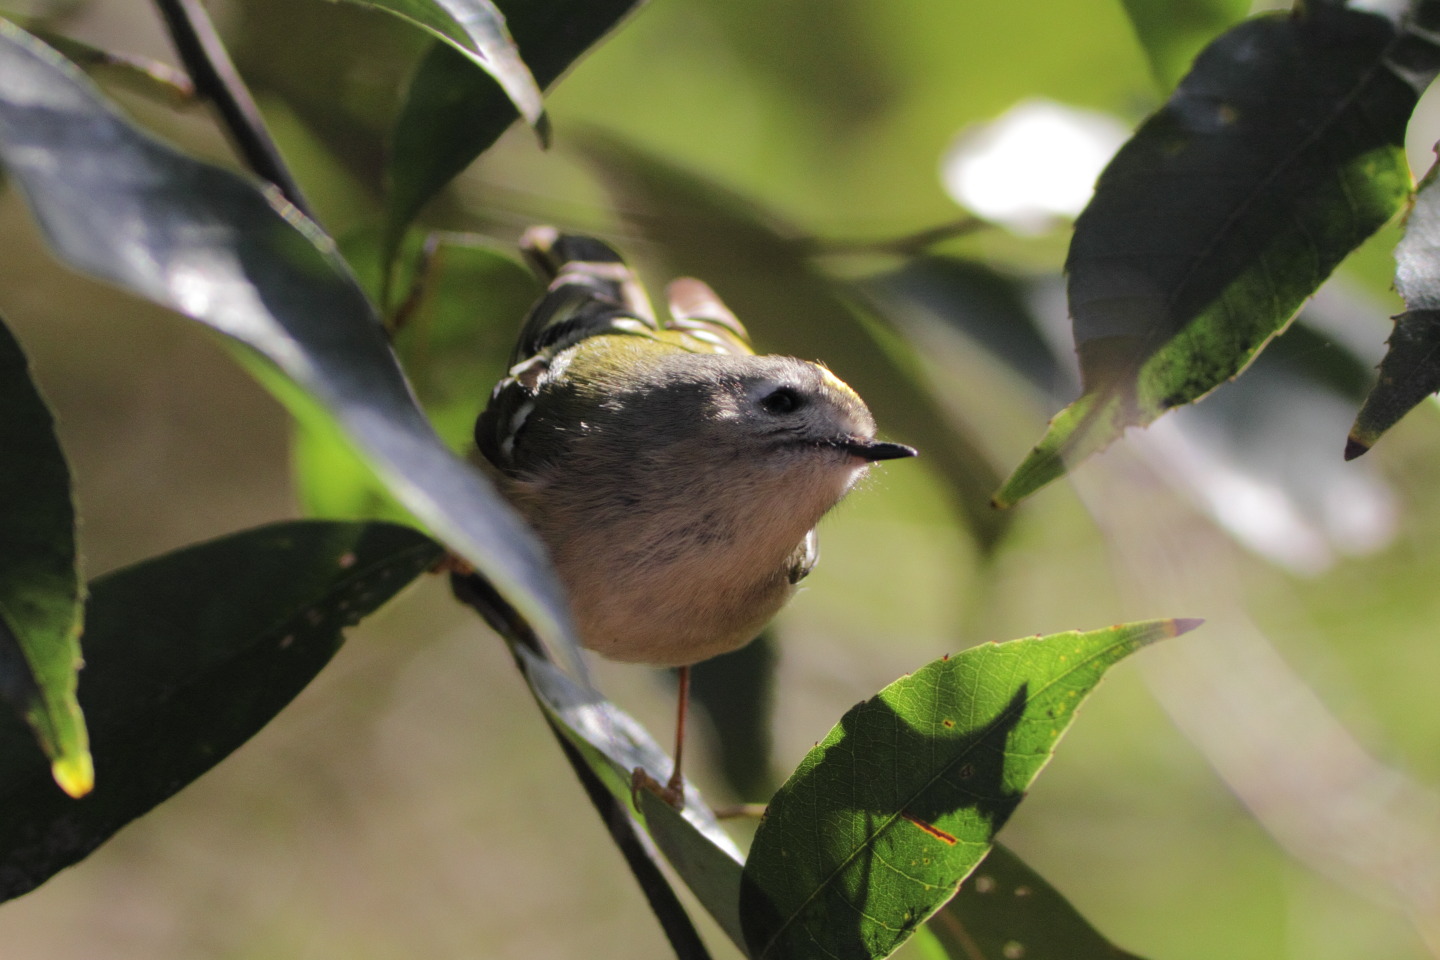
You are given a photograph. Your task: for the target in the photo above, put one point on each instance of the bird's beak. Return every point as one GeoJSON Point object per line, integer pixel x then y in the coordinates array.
{"type": "Point", "coordinates": [873, 450]}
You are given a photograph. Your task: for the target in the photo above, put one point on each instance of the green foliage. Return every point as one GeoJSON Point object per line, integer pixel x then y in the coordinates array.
{"type": "Point", "coordinates": [40, 596]}
{"type": "Point", "coordinates": [1279, 154]}
{"type": "Point", "coordinates": [1225, 211]}
{"type": "Point", "coordinates": [911, 787]}
{"type": "Point", "coordinates": [187, 656]}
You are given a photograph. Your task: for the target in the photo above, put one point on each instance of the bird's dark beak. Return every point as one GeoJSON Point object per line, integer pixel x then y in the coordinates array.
{"type": "Point", "coordinates": [873, 450]}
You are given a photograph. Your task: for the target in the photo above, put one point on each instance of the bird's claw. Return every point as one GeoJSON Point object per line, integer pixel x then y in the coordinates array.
{"type": "Point", "coordinates": [672, 793]}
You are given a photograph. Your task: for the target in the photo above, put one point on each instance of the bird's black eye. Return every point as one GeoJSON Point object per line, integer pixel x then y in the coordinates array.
{"type": "Point", "coordinates": [782, 400]}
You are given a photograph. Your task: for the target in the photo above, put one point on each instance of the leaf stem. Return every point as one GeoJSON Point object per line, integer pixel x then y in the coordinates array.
{"type": "Point", "coordinates": [217, 80]}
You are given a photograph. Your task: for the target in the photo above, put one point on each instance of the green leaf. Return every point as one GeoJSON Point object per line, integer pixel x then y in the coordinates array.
{"type": "Point", "coordinates": [1004, 910]}
{"type": "Point", "coordinates": [187, 656]}
{"type": "Point", "coordinates": [790, 307]}
{"type": "Point", "coordinates": [476, 30]}
{"type": "Point", "coordinates": [1279, 153]}
{"type": "Point", "coordinates": [1172, 33]}
{"type": "Point", "coordinates": [454, 342]}
{"type": "Point", "coordinates": [876, 828]}
{"type": "Point", "coordinates": [40, 596]}
{"type": "Point", "coordinates": [1410, 371]}
{"type": "Point", "coordinates": [451, 115]}
{"type": "Point", "coordinates": [149, 78]}
{"type": "Point", "coordinates": [120, 205]}
{"type": "Point", "coordinates": [613, 744]}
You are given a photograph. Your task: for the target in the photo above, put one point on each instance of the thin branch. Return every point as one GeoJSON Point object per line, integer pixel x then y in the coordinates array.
{"type": "Point", "coordinates": [217, 80]}
{"type": "Point", "coordinates": [908, 245]}
{"type": "Point", "coordinates": [477, 593]}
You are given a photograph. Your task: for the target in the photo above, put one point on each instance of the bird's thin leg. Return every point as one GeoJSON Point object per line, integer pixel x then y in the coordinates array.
{"type": "Point", "coordinates": [676, 787]}
{"type": "Point", "coordinates": [673, 792]}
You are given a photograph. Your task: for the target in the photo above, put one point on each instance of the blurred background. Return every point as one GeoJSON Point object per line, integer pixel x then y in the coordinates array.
{"type": "Point", "coordinates": [1265, 787]}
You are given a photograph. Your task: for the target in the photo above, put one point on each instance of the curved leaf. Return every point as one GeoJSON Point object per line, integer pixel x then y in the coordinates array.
{"type": "Point", "coordinates": [40, 596]}
{"type": "Point", "coordinates": [1410, 371]}
{"type": "Point", "coordinates": [1005, 910]}
{"type": "Point", "coordinates": [118, 204]}
{"type": "Point", "coordinates": [187, 656]}
{"type": "Point", "coordinates": [1279, 153]}
{"type": "Point", "coordinates": [613, 745]}
{"type": "Point", "coordinates": [882, 820]}
{"type": "Point", "coordinates": [790, 307]}
{"type": "Point", "coordinates": [476, 30]}
{"type": "Point", "coordinates": [451, 115]}
{"type": "Point", "coordinates": [455, 339]}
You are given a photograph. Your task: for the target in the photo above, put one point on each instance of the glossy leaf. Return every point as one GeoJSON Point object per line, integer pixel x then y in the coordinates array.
{"type": "Point", "coordinates": [40, 596]}
{"type": "Point", "coordinates": [790, 307]}
{"type": "Point", "coordinates": [1006, 910]}
{"type": "Point", "coordinates": [476, 30]}
{"type": "Point", "coordinates": [614, 745]}
{"type": "Point", "coordinates": [883, 819]}
{"type": "Point", "coordinates": [451, 115]}
{"type": "Point", "coordinates": [187, 656]}
{"type": "Point", "coordinates": [1279, 153]}
{"type": "Point", "coordinates": [1172, 33]}
{"type": "Point", "coordinates": [1410, 371]}
{"type": "Point", "coordinates": [116, 203]}
{"type": "Point", "coordinates": [453, 345]}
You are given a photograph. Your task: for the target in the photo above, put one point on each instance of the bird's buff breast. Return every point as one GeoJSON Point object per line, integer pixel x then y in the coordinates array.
{"type": "Point", "coordinates": [671, 590]}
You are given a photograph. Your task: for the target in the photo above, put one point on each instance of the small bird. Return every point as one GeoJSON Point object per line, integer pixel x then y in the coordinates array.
{"type": "Point", "coordinates": [675, 477]}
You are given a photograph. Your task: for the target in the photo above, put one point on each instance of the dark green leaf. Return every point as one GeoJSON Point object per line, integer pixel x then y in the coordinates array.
{"type": "Point", "coordinates": [451, 115]}
{"type": "Point", "coordinates": [614, 745]}
{"type": "Point", "coordinates": [882, 820]}
{"type": "Point", "coordinates": [453, 345]}
{"type": "Point", "coordinates": [790, 307]}
{"type": "Point", "coordinates": [1410, 371]}
{"type": "Point", "coordinates": [187, 656]}
{"type": "Point", "coordinates": [1173, 31]}
{"type": "Point", "coordinates": [40, 597]}
{"type": "Point", "coordinates": [1006, 910]}
{"type": "Point", "coordinates": [1279, 153]}
{"type": "Point", "coordinates": [118, 204]}
{"type": "Point", "coordinates": [476, 30]}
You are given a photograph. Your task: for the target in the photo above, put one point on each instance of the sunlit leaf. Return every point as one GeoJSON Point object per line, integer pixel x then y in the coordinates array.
{"type": "Point", "coordinates": [450, 115]}
{"type": "Point", "coordinates": [1410, 371]}
{"type": "Point", "coordinates": [790, 307]}
{"type": "Point", "coordinates": [1279, 153]}
{"type": "Point", "coordinates": [1172, 33]}
{"type": "Point", "coordinates": [476, 30]}
{"type": "Point", "coordinates": [883, 819]}
{"type": "Point", "coordinates": [1005, 910]}
{"type": "Point", "coordinates": [453, 345]}
{"type": "Point", "coordinates": [118, 204]}
{"type": "Point", "coordinates": [187, 656]}
{"type": "Point", "coordinates": [40, 596]}
{"type": "Point", "coordinates": [614, 745]}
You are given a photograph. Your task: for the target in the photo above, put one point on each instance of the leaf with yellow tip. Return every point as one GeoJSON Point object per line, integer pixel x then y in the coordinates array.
{"type": "Point", "coordinates": [187, 656]}
{"type": "Point", "coordinates": [40, 595]}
